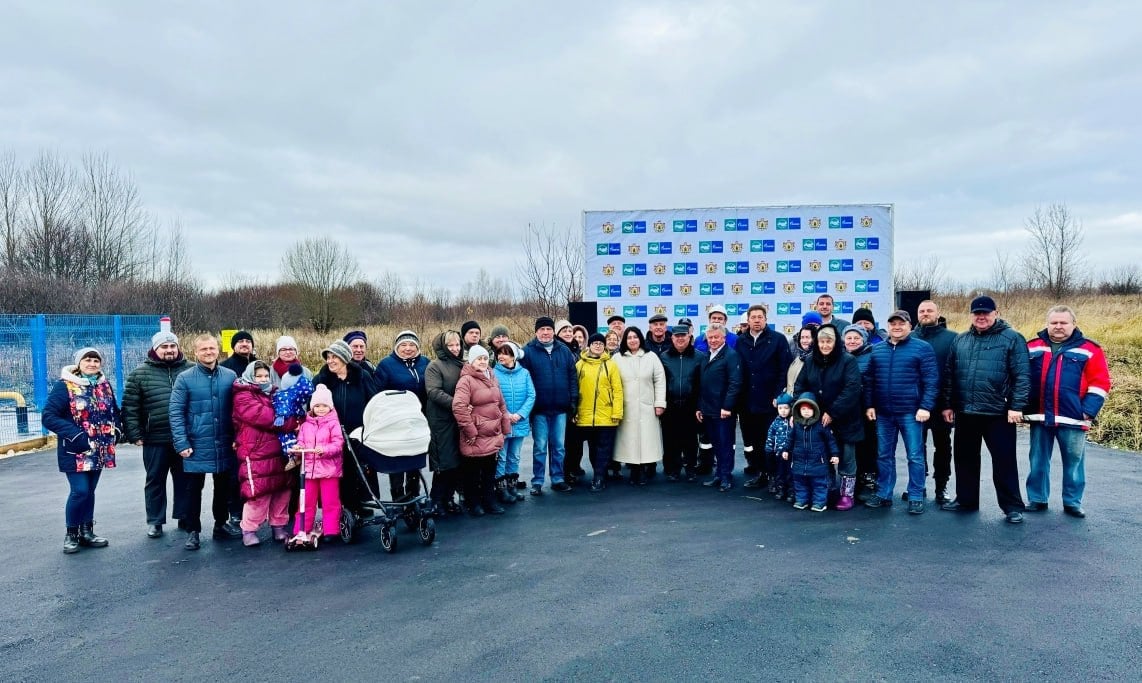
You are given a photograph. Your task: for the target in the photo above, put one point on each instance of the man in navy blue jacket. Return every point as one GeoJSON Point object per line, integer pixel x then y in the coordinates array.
{"type": "Point", "coordinates": [901, 383]}
{"type": "Point", "coordinates": [765, 359]}
{"type": "Point", "coordinates": [720, 381]}
{"type": "Point", "coordinates": [552, 368]}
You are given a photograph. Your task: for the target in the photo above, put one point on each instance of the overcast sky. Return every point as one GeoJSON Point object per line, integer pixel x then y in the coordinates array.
{"type": "Point", "coordinates": [427, 135]}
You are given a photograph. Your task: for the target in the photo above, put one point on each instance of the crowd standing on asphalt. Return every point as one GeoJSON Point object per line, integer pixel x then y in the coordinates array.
{"type": "Point", "coordinates": [819, 415]}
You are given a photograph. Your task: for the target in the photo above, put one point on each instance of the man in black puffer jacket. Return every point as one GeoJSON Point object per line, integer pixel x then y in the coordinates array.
{"type": "Point", "coordinates": [682, 365]}
{"type": "Point", "coordinates": [933, 329]}
{"type": "Point", "coordinates": [146, 421]}
{"type": "Point", "coordinates": [987, 382]}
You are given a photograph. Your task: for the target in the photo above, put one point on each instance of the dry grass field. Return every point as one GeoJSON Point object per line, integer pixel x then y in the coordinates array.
{"type": "Point", "coordinates": [1115, 322]}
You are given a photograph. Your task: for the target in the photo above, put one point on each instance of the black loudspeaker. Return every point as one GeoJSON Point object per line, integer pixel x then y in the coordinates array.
{"type": "Point", "coordinates": [585, 313]}
{"type": "Point", "coordinates": [910, 301]}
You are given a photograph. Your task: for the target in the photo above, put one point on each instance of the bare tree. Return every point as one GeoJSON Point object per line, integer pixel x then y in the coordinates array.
{"type": "Point", "coordinates": [1125, 279]}
{"type": "Point", "coordinates": [116, 228]}
{"type": "Point", "coordinates": [11, 201]}
{"type": "Point", "coordinates": [52, 238]}
{"type": "Point", "coordinates": [320, 267]}
{"type": "Point", "coordinates": [551, 272]}
{"type": "Point", "coordinates": [1054, 259]}
{"type": "Point", "coordinates": [1004, 276]}
{"type": "Point", "coordinates": [921, 274]}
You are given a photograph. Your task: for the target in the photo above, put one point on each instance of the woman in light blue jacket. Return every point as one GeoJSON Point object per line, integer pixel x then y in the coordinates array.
{"type": "Point", "coordinates": [519, 395]}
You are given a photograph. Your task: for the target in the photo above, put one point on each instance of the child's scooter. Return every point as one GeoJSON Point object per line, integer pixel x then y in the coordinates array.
{"type": "Point", "coordinates": [302, 540]}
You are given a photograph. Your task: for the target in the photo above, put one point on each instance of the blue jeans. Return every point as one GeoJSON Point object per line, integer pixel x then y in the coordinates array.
{"type": "Point", "coordinates": [80, 507]}
{"type": "Point", "coordinates": [808, 489]}
{"type": "Point", "coordinates": [1072, 447]}
{"type": "Point", "coordinates": [720, 432]}
{"type": "Point", "coordinates": [508, 460]}
{"type": "Point", "coordinates": [888, 426]}
{"type": "Point", "coordinates": [547, 434]}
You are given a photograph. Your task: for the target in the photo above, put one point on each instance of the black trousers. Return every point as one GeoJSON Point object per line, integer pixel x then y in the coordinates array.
{"type": "Point", "coordinates": [867, 451]}
{"type": "Point", "coordinates": [446, 484]}
{"type": "Point", "coordinates": [941, 433]}
{"type": "Point", "coordinates": [404, 485]}
{"type": "Point", "coordinates": [479, 479]}
{"type": "Point", "coordinates": [680, 440]}
{"type": "Point", "coordinates": [754, 428]}
{"type": "Point", "coordinates": [159, 460]}
{"type": "Point", "coordinates": [601, 442]}
{"type": "Point", "coordinates": [219, 506]}
{"type": "Point", "coordinates": [573, 443]}
{"type": "Point", "coordinates": [994, 430]}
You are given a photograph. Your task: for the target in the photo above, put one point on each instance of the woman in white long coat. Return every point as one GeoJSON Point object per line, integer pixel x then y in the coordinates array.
{"type": "Point", "coordinates": [639, 439]}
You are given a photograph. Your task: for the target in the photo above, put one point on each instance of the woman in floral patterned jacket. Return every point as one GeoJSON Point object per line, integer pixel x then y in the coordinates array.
{"type": "Point", "coordinates": [82, 412]}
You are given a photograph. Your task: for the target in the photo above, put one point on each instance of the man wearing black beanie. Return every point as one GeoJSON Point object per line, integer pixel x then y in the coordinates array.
{"type": "Point", "coordinates": [552, 368]}
{"type": "Point", "coordinates": [241, 352]}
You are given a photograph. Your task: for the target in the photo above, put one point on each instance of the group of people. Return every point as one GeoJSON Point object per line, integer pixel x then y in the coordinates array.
{"type": "Point", "coordinates": [819, 416]}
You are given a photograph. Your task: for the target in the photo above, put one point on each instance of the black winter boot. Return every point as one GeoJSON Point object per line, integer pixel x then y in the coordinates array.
{"type": "Point", "coordinates": [941, 491]}
{"type": "Point", "coordinates": [503, 491]}
{"type": "Point", "coordinates": [87, 537]}
{"type": "Point", "coordinates": [71, 540]}
{"type": "Point", "coordinates": [515, 487]}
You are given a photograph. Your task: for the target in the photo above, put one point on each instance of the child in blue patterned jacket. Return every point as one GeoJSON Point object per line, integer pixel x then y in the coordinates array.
{"type": "Point", "coordinates": [291, 400]}
{"type": "Point", "coordinates": [775, 444]}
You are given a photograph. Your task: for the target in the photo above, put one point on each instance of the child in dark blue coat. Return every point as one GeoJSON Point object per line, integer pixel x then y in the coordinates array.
{"type": "Point", "coordinates": [810, 449]}
{"type": "Point", "coordinates": [776, 443]}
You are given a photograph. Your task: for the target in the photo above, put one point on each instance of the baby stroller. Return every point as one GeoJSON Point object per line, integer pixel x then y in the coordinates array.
{"type": "Point", "coordinates": [394, 439]}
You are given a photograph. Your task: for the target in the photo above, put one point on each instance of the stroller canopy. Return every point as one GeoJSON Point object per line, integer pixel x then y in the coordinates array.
{"type": "Point", "coordinates": [394, 425]}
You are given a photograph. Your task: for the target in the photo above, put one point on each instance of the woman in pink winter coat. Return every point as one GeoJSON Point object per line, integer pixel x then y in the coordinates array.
{"type": "Point", "coordinates": [262, 479]}
{"type": "Point", "coordinates": [320, 442]}
{"type": "Point", "coordinates": [482, 416]}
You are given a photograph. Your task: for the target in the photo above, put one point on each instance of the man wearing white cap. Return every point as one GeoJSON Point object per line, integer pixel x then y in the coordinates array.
{"type": "Point", "coordinates": [717, 316]}
{"type": "Point", "coordinates": [146, 423]}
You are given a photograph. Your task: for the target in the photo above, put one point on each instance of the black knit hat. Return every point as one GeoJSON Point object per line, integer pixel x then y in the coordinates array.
{"type": "Point", "coordinates": [863, 314]}
{"type": "Point", "coordinates": [470, 325]}
{"type": "Point", "coordinates": [596, 337]}
{"type": "Point", "coordinates": [239, 336]}
{"type": "Point", "coordinates": [544, 321]}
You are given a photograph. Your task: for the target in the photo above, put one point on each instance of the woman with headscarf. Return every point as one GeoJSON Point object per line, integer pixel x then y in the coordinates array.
{"type": "Point", "coordinates": [859, 346]}
{"type": "Point", "coordinates": [833, 375]}
{"type": "Point", "coordinates": [84, 415]}
{"type": "Point", "coordinates": [482, 417]}
{"type": "Point", "coordinates": [263, 481]}
{"type": "Point", "coordinates": [403, 370]}
{"type": "Point", "coordinates": [444, 449]}
{"type": "Point", "coordinates": [639, 438]}
{"type": "Point", "coordinates": [351, 387]}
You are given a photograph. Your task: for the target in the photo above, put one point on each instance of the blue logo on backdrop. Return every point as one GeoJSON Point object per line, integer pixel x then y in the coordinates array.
{"type": "Point", "coordinates": [634, 311]}
{"type": "Point", "coordinates": [863, 286]}
{"type": "Point", "coordinates": [608, 249]}
{"type": "Point", "coordinates": [789, 308]}
{"type": "Point", "coordinates": [791, 223]}
{"type": "Point", "coordinates": [634, 227]}
{"type": "Point", "coordinates": [840, 265]}
{"type": "Point", "coordinates": [607, 291]}
{"type": "Point", "coordinates": [685, 310]}
{"type": "Point", "coordinates": [762, 245]}
{"type": "Point", "coordinates": [661, 290]}
{"type": "Point", "coordinates": [845, 306]}
{"type": "Point", "coordinates": [763, 288]}
{"type": "Point", "coordinates": [736, 224]}
{"type": "Point", "coordinates": [687, 268]}
{"type": "Point", "coordinates": [686, 226]}
{"type": "Point", "coordinates": [735, 267]}
{"type": "Point", "coordinates": [634, 269]}
{"type": "Point", "coordinates": [712, 288]}
{"type": "Point", "coordinates": [789, 266]}
{"type": "Point", "coordinates": [814, 287]}
{"type": "Point", "coordinates": [736, 309]}
{"type": "Point", "coordinates": [660, 247]}
{"type": "Point", "coordinates": [842, 222]}
{"type": "Point", "coordinates": [867, 243]}
{"type": "Point", "coordinates": [810, 244]}
{"type": "Point", "coordinates": [710, 247]}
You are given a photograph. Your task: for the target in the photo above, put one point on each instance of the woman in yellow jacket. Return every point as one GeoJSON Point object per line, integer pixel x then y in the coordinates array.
{"type": "Point", "coordinates": [600, 405]}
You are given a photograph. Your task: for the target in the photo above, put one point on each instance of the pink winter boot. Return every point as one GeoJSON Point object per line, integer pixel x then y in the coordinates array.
{"type": "Point", "coordinates": [848, 484]}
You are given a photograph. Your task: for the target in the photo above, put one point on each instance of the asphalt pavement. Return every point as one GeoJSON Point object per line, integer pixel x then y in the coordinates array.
{"type": "Point", "coordinates": [671, 581]}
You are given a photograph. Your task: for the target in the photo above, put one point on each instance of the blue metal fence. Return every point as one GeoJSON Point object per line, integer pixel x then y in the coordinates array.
{"type": "Point", "coordinates": [34, 348]}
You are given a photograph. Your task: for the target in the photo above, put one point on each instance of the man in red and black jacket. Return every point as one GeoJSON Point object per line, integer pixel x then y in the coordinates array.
{"type": "Point", "coordinates": [1069, 384]}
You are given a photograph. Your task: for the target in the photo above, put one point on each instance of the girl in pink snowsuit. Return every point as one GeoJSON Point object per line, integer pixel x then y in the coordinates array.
{"type": "Point", "coordinates": [320, 442]}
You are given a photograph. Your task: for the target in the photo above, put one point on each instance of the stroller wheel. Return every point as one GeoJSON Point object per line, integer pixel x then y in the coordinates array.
{"type": "Point", "coordinates": [348, 526]}
{"type": "Point", "coordinates": [427, 531]}
{"type": "Point", "coordinates": [389, 539]}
